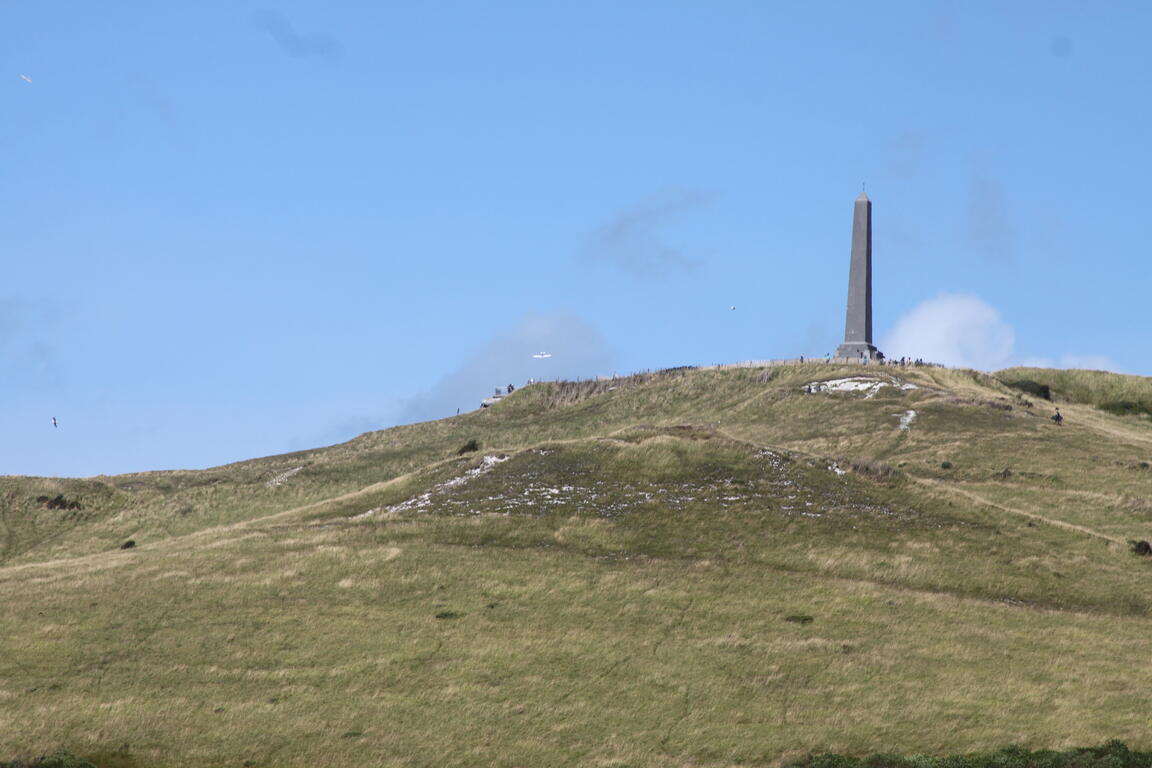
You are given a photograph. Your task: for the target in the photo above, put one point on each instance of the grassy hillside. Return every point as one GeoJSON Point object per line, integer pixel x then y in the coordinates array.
{"type": "Point", "coordinates": [1112, 392]}
{"type": "Point", "coordinates": [689, 568]}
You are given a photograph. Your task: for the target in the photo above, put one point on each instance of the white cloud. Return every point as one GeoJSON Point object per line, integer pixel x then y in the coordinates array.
{"type": "Point", "coordinates": [578, 351]}
{"type": "Point", "coordinates": [964, 331]}
{"type": "Point", "coordinates": [957, 330]}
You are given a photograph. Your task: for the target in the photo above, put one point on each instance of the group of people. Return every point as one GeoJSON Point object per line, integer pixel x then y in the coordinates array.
{"type": "Point", "coordinates": [903, 362]}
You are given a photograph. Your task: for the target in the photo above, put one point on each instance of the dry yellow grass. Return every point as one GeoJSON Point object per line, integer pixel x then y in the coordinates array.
{"type": "Point", "coordinates": [650, 615]}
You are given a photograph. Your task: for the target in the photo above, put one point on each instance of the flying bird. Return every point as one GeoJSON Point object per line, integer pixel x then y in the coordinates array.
{"type": "Point", "coordinates": [25, 78]}
{"type": "Point", "coordinates": [54, 422]}
{"type": "Point", "coordinates": [733, 307]}
{"type": "Point", "coordinates": [542, 355]}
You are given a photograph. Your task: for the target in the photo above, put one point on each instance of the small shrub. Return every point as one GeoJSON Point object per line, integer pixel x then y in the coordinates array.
{"type": "Point", "coordinates": [800, 618]}
{"type": "Point", "coordinates": [945, 465]}
{"type": "Point", "coordinates": [1032, 387]}
{"type": "Point", "coordinates": [884, 760]}
{"type": "Point", "coordinates": [58, 760]}
{"type": "Point", "coordinates": [1113, 754]}
{"type": "Point", "coordinates": [128, 544]}
{"type": "Point", "coordinates": [469, 447]}
{"type": "Point", "coordinates": [448, 615]}
{"type": "Point", "coordinates": [1126, 408]}
{"type": "Point", "coordinates": [58, 502]}
{"type": "Point", "coordinates": [1142, 548]}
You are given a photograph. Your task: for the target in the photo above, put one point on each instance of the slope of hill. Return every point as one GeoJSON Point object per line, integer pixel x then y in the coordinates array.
{"type": "Point", "coordinates": [700, 567]}
{"type": "Point", "coordinates": [1113, 392]}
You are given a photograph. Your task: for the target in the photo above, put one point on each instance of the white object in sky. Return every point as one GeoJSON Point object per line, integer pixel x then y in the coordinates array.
{"type": "Point", "coordinates": [733, 307]}
{"type": "Point", "coordinates": [542, 355]}
{"type": "Point", "coordinates": [25, 78]}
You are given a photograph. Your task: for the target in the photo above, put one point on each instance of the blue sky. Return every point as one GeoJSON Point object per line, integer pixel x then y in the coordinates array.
{"type": "Point", "coordinates": [232, 229]}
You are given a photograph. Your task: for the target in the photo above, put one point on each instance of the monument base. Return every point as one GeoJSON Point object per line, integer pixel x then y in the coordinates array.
{"type": "Point", "coordinates": [859, 350]}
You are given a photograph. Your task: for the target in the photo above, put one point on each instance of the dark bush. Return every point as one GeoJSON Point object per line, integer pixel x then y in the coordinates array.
{"type": "Point", "coordinates": [1113, 754]}
{"type": "Point", "coordinates": [1126, 408]}
{"type": "Point", "coordinates": [884, 760]}
{"type": "Point", "coordinates": [1032, 388]}
{"type": "Point", "coordinates": [945, 465]}
{"type": "Point", "coordinates": [469, 447]}
{"type": "Point", "coordinates": [58, 760]}
{"type": "Point", "coordinates": [128, 544]}
{"type": "Point", "coordinates": [448, 615]}
{"type": "Point", "coordinates": [58, 502]}
{"type": "Point", "coordinates": [1142, 548]}
{"type": "Point", "coordinates": [800, 618]}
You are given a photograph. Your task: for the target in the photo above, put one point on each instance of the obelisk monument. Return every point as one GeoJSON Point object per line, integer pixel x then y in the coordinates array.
{"type": "Point", "coordinates": [858, 323]}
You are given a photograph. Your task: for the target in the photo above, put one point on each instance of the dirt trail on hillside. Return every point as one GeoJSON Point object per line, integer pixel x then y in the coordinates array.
{"type": "Point", "coordinates": [1095, 421]}
{"type": "Point", "coordinates": [972, 496]}
{"type": "Point", "coordinates": [195, 538]}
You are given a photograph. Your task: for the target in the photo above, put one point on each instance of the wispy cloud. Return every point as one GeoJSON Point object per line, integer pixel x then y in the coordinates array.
{"type": "Point", "coordinates": [578, 351]}
{"type": "Point", "coordinates": [27, 355]}
{"type": "Point", "coordinates": [905, 153]}
{"type": "Point", "coordinates": [990, 227]}
{"type": "Point", "coordinates": [337, 432]}
{"type": "Point", "coordinates": [295, 44]}
{"type": "Point", "coordinates": [1084, 362]}
{"type": "Point", "coordinates": [632, 241]}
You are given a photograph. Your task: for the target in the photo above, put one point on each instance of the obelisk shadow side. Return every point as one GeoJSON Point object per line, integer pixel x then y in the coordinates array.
{"type": "Point", "coordinates": [858, 319]}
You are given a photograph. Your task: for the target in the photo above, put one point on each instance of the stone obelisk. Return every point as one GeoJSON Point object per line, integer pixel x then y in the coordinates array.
{"type": "Point", "coordinates": [858, 323]}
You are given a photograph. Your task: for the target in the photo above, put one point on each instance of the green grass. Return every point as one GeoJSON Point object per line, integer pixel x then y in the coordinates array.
{"type": "Point", "coordinates": [1113, 754]}
{"type": "Point", "coordinates": [1112, 392]}
{"type": "Point", "coordinates": [705, 568]}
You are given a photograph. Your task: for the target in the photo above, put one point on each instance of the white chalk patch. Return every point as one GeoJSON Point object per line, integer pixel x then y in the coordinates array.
{"type": "Point", "coordinates": [906, 420]}
{"type": "Point", "coordinates": [868, 386]}
{"type": "Point", "coordinates": [282, 478]}
{"type": "Point", "coordinates": [424, 500]}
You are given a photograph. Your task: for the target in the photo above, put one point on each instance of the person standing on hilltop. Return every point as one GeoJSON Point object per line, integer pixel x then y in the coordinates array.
{"type": "Point", "coordinates": [1058, 418]}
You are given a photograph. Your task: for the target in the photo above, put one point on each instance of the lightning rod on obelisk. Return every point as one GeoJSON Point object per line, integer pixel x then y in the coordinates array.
{"type": "Point", "coordinates": [858, 321]}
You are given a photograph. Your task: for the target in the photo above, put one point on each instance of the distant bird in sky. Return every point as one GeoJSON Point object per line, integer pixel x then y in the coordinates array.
{"type": "Point", "coordinates": [25, 78]}
{"type": "Point", "coordinates": [542, 355]}
{"type": "Point", "coordinates": [733, 307]}
{"type": "Point", "coordinates": [54, 422]}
